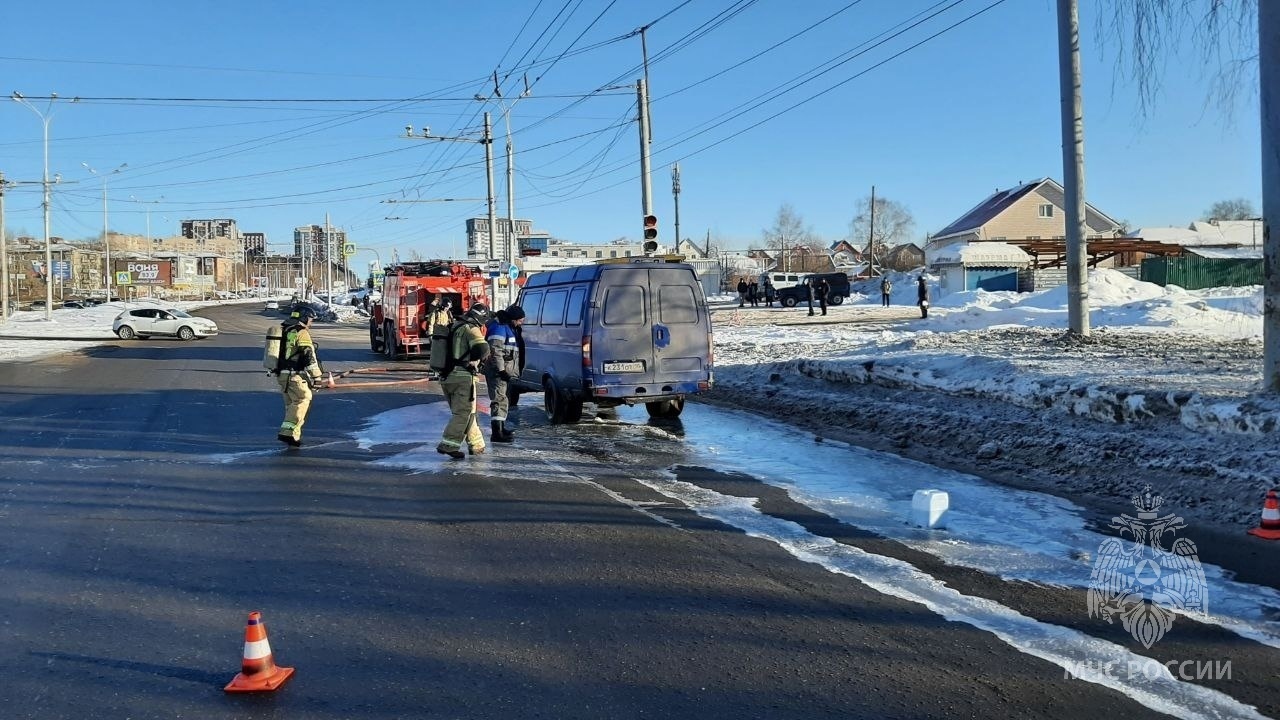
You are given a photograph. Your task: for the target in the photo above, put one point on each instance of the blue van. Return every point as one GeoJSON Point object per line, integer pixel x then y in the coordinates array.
{"type": "Point", "coordinates": [625, 332]}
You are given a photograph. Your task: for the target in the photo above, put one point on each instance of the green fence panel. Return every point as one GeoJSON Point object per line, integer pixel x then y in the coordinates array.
{"type": "Point", "coordinates": [1195, 273]}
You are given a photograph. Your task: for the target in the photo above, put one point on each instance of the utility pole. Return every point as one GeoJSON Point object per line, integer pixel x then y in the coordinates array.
{"type": "Point", "coordinates": [1073, 166]}
{"type": "Point", "coordinates": [4, 261]}
{"type": "Point", "coordinates": [45, 118]}
{"type": "Point", "coordinates": [510, 252]}
{"type": "Point", "coordinates": [328, 257]}
{"type": "Point", "coordinates": [675, 191]}
{"type": "Point", "coordinates": [644, 53]}
{"type": "Point", "coordinates": [646, 190]}
{"type": "Point", "coordinates": [493, 215]}
{"type": "Point", "coordinates": [487, 141]}
{"type": "Point", "coordinates": [871, 234]}
{"type": "Point", "coordinates": [106, 229]}
{"type": "Point", "coordinates": [1269, 77]}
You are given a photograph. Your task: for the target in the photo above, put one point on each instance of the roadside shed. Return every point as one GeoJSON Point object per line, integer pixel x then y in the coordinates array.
{"type": "Point", "coordinates": [980, 265]}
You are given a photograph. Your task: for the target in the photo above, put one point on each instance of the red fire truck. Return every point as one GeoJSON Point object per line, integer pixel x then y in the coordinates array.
{"type": "Point", "coordinates": [398, 324]}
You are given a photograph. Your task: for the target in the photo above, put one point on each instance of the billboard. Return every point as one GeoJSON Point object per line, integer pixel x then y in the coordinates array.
{"type": "Point", "coordinates": [143, 272]}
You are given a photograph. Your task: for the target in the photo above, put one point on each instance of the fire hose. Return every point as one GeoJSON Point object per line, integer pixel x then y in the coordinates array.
{"type": "Point", "coordinates": [332, 381]}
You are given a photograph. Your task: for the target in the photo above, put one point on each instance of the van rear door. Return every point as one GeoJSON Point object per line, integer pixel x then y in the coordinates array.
{"type": "Point", "coordinates": [680, 331]}
{"type": "Point", "coordinates": [622, 342]}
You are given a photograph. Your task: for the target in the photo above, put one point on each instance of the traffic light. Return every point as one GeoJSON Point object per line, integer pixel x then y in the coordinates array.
{"type": "Point", "coordinates": [650, 233]}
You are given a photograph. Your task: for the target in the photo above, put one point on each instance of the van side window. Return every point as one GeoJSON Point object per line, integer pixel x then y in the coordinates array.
{"type": "Point", "coordinates": [576, 298]}
{"type": "Point", "coordinates": [532, 307]}
{"type": "Point", "coordinates": [553, 308]}
{"type": "Point", "coordinates": [624, 305]}
{"type": "Point", "coordinates": [676, 305]}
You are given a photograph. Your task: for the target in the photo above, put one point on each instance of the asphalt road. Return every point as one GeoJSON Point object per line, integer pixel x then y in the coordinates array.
{"type": "Point", "coordinates": [147, 507]}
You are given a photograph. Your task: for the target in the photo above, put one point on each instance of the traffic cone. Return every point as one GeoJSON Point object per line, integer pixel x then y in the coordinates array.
{"type": "Point", "coordinates": [332, 384]}
{"type": "Point", "coordinates": [258, 671]}
{"type": "Point", "coordinates": [1270, 525]}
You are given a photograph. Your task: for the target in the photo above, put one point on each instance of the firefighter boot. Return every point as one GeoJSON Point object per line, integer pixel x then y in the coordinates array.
{"type": "Point", "coordinates": [497, 434]}
{"type": "Point", "coordinates": [507, 435]}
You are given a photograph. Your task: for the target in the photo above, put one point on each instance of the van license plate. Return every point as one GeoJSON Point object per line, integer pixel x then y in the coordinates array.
{"type": "Point", "coordinates": [630, 366]}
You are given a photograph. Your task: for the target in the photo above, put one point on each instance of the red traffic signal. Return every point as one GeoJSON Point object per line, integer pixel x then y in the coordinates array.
{"type": "Point", "coordinates": [650, 227]}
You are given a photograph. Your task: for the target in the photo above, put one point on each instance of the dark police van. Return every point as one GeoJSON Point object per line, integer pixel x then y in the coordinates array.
{"type": "Point", "coordinates": [630, 331]}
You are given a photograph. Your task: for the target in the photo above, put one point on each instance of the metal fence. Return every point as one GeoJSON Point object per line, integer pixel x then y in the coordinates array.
{"type": "Point", "coordinates": [1194, 273]}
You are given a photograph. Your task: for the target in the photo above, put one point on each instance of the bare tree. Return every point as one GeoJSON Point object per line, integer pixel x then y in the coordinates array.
{"type": "Point", "coordinates": [788, 233]}
{"type": "Point", "coordinates": [1241, 38]}
{"type": "Point", "coordinates": [1238, 209]}
{"type": "Point", "coordinates": [1145, 33]}
{"type": "Point", "coordinates": [894, 225]}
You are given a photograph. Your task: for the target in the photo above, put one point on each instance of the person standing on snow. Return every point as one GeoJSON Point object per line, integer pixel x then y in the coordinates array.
{"type": "Point", "coordinates": [298, 372]}
{"type": "Point", "coordinates": [504, 361]}
{"type": "Point", "coordinates": [922, 296]}
{"type": "Point", "coordinates": [821, 291]}
{"type": "Point", "coordinates": [886, 286]}
{"type": "Point", "coordinates": [742, 292]}
{"type": "Point", "coordinates": [467, 351]}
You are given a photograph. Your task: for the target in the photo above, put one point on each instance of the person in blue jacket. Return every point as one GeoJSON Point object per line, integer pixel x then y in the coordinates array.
{"type": "Point", "coordinates": [504, 361]}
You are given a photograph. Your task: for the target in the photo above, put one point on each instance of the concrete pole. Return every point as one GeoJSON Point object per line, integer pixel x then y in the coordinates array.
{"type": "Point", "coordinates": [4, 261]}
{"type": "Point", "coordinates": [493, 212]}
{"type": "Point", "coordinates": [511, 208]}
{"type": "Point", "coordinates": [48, 248]}
{"type": "Point", "coordinates": [675, 192]}
{"type": "Point", "coordinates": [328, 257]}
{"type": "Point", "coordinates": [646, 190]}
{"type": "Point", "coordinates": [1269, 76]}
{"type": "Point", "coordinates": [1073, 166]}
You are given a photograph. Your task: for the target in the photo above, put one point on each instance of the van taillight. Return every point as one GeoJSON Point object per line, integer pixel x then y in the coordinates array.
{"type": "Point", "coordinates": [586, 351]}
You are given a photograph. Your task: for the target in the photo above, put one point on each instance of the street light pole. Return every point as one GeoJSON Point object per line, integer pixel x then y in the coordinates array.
{"type": "Point", "coordinates": [45, 118]}
{"type": "Point", "coordinates": [106, 229]}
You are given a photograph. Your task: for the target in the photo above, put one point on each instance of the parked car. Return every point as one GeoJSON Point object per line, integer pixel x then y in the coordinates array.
{"type": "Point", "coordinates": [795, 295]}
{"type": "Point", "coordinates": [613, 334]}
{"type": "Point", "coordinates": [76, 304]}
{"type": "Point", "coordinates": [144, 322]}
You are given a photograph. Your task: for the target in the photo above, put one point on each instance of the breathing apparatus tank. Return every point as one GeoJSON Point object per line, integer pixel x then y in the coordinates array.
{"type": "Point", "coordinates": [440, 320]}
{"type": "Point", "coordinates": [271, 349]}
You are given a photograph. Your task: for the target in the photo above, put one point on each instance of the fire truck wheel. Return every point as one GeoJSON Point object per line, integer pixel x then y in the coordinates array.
{"type": "Point", "coordinates": [389, 341]}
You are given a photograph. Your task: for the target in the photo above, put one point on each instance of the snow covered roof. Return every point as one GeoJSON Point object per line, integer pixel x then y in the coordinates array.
{"type": "Point", "coordinates": [1234, 253]}
{"type": "Point", "coordinates": [1235, 232]}
{"type": "Point", "coordinates": [1201, 234]}
{"type": "Point", "coordinates": [980, 254]}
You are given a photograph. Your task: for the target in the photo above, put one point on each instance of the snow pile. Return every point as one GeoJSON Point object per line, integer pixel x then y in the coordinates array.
{"type": "Point", "coordinates": [1167, 387]}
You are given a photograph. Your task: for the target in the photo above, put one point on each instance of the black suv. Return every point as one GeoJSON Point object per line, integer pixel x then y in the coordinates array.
{"type": "Point", "coordinates": [839, 283]}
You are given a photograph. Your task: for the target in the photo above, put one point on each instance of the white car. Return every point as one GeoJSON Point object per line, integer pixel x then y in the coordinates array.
{"type": "Point", "coordinates": [272, 305]}
{"type": "Point", "coordinates": [144, 322]}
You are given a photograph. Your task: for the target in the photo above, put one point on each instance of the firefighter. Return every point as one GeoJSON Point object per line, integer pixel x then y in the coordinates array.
{"type": "Point", "coordinates": [467, 351]}
{"type": "Point", "coordinates": [504, 361]}
{"type": "Point", "coordinates": [298, 373]}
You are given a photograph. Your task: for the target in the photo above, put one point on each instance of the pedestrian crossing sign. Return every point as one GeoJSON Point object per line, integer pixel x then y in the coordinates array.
{"type": "Point", "coordinates": [124, 278]}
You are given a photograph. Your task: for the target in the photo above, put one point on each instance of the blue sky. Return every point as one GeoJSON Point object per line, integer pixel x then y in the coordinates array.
{"type": "Point", "coordinates": [937, 129]}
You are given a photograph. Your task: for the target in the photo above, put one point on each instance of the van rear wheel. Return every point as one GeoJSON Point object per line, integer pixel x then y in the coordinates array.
{"type": "Point", "coordinates": [789, 301]}
{"type": "Point", "coordinates": [836, 300]}
{"type": "Point", "coordinates": [665, 409]}
{"type": "Point", "coordinates": [560, 408]}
